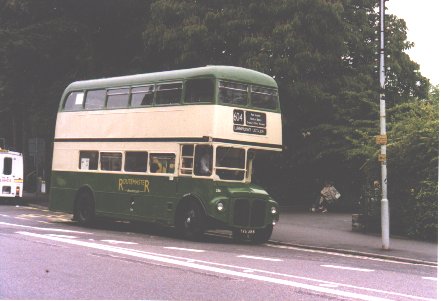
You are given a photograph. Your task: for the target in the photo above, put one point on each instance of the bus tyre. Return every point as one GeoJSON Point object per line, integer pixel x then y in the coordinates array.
{"type": "Point", "coordinates": [190, 221]}
{"type": "Point", "coordinates": [262, 235]}
{"type": "Point", "coordinates": [84, 208]}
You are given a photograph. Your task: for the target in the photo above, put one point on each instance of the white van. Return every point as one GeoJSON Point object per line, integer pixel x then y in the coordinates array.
{"type": "Point", "coordinates": [11, 174]}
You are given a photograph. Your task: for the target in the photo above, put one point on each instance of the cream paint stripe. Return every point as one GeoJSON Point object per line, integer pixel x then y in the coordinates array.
{"type": "Point", "coordinates": [346, 268]}
{"type": "Point", "coordinates": [184, 249]}
{"type": "Point", "coordinates": [259, 258]}
{"type": "Point", "coordinates": [207, 268]}
{"type": "Point", "coordinates": [43, 229]}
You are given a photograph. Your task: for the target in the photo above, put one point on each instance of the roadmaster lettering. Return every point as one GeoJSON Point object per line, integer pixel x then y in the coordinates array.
{"type": "Point", "coordinates": [123, 183]}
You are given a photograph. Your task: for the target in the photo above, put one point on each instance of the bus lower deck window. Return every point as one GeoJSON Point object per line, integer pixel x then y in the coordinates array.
{"type": "Point", "coordinates": [162, 163]}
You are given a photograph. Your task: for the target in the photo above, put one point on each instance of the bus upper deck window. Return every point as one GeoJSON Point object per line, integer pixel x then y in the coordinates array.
{"type": "Point", "coordinates": [95, 99]}
{"type": "Point", "coordinates": [199, 90]}
{"type": "Point", "coordinates": [74, 101]}
{"type": "Point", "coordinates": [264, 98]}
{"type": "Point", "coordinates": [118, 98]}
{"type": "Point", "coordinates": [233, 93]}
{"type": "Point", "coordinates": [143, 96]}
{"type": "Point", "coordinates": [168, 93]}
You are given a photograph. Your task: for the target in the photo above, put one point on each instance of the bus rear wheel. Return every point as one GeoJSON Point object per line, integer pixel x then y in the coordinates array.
{"type": "Point", "coordinates": [190, 221]}
{"type": "Point", "coordinates": [84, 208]}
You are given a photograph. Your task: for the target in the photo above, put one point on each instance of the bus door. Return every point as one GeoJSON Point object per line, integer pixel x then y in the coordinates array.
{"type": "Point", "coordinates": [196, 169]}
{"type": "Point", "coordinates": [161, 195]}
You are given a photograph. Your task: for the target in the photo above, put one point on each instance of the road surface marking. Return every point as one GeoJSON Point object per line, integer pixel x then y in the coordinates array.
{"type": "Point", "coordinates": [259, 258]}
{"type": "Point", "coordinates": [117, 242]}
{"type": "Point", "coordinates": [346, 268]}
{"type": "Point", "coordinates": [365, 257]}
{"type": "Point", "coordinates": [184, 249]}
{"type": "Point", "coordinates": [328, 285]}
{"type": "Point", "coordinates": [200, 264]}
{"type": "Point", "coordinates": [4, 215]}
{"type": "Point", "coordinates": [63, 236]}
{"type": "Point", "coordinates": [43, 229]}
{"type": "Point", "coordinates": [160, 258]}
{"type": "Point", "coordinates": [430, 278]}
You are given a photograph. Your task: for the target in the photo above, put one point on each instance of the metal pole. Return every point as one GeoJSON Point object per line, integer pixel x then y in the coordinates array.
{"type": "Point", "coordinates": [383, 158]}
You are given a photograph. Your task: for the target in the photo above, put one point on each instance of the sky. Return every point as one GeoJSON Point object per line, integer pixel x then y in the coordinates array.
{"type": "Point", "coordinates": [423, 28]}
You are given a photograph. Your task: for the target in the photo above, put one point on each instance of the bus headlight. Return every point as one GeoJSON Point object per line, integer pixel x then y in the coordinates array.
{"type": "Point", "coordinates": [273, 210]}
{"type": "Point", "coordinates": [220, 207]}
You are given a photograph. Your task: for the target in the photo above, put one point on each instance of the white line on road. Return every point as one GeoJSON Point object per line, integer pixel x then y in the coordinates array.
{"type": "Point", "coordinates": [203, 265]}
{"type": "Point", "coordinates": [346, 268]}
{"type": "Point", "coordinates": [259, 258]}
{"type": "Point", "coordinates": [430, 278]}
{"type": "Point", "coordinates": [118, 242]}
{"type": "Point", "coordinates": [43, 229]}
{"type": "Point", "coordinates": [199, 266]}
{"type": "Point", "coordinates": [364, 257]}
{"type": "Point", "coordinates": [184, 249]}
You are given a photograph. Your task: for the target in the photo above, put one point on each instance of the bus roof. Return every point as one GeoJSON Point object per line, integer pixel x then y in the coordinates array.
{"type": "Point", "coordinates": [221, 72]}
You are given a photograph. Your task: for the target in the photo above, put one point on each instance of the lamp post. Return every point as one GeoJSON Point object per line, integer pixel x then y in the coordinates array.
{"type": "Point", "coordinates": [382, 139]}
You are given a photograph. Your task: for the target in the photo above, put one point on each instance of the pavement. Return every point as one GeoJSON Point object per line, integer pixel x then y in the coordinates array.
{"type": "Point", "coordinates": [330, 232]}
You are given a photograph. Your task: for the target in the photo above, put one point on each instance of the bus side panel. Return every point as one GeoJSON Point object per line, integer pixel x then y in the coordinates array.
{"type": "Point", "coordinates": [204, 190]}
{"type": "Point", "coordinates": [63, 191]}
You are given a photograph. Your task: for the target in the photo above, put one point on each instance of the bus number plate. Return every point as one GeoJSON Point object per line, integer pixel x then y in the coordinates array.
{"type": "Point", "coordinates": [247, 231]}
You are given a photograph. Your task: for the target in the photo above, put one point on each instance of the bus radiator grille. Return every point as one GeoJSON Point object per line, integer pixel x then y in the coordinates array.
{"type": "Point", "coordinates": [249, 213]}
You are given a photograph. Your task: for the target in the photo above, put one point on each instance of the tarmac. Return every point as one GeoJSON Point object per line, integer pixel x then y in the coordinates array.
{"type": "Point", "coordinates": [329, 232]}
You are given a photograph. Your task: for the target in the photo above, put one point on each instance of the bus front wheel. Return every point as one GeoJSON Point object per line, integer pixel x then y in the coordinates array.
{"type": "Point", "coordinates": [190, 220]}
{"type": "Point", "coordinates": [84, 208]}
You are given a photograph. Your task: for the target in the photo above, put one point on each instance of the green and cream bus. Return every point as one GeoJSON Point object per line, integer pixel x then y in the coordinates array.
{"type": "Point", "coordinates": [174, 148]}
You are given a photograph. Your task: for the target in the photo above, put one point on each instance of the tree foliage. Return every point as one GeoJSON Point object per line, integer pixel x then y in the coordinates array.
{"type": "Point", "coordinates": [322, 53]}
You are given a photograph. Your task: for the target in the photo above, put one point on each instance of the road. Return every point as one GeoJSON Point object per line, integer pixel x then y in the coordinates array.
{"type": "Point", "coordinates": [45, 255]}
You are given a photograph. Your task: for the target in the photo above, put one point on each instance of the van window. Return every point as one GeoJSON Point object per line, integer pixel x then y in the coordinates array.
{"type": "Point", "coordinates": [7, 166]}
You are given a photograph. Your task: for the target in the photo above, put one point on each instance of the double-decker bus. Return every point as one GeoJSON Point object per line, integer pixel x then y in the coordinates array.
{"type": "Point", "coordinates": [174, 148]}
{"type": "Point", "coordinates": [11, 174]}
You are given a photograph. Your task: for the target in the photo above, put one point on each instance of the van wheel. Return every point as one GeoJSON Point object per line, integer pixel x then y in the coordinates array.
{"type": "Point", "coordinates": [84, 208]}
{"type": "Point", "coordinates": [190, 221]}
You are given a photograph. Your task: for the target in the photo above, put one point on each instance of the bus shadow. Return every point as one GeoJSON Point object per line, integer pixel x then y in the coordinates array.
{"type": "Point", "coordinates": [150, 229]}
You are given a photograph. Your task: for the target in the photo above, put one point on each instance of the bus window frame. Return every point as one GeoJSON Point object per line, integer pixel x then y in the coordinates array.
{"type": "Point", "coordinates": [110, 170]}
{"type": "Point", "coordinates": [124, 170]}
{"type": "Point", "coordinates": [99, 108]}
{"type": "Point", "coordinates": [214, 96]}
{"type": "Point", "coordinates": [109, 94]}
{"type": "Point", "coordinates": [157, 85]}
{"type": "Point", "coordinates": [76, 107]}
{"type": "Point", "coordinates": [244, 169]}
{"type": "Point", "coordinates": [149, 172]}
{"type": "Point", "coordinates": [142, 92]}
